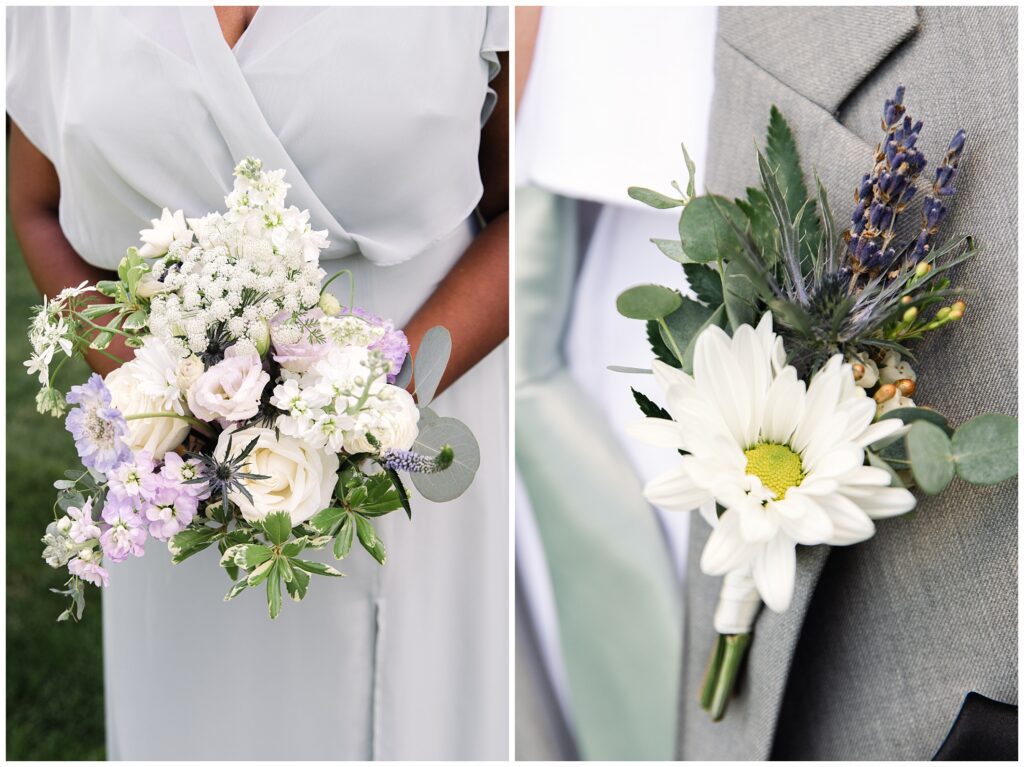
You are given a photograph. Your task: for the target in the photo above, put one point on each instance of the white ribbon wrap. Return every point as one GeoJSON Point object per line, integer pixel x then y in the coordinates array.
{"type": "Point", "coordinates": [738, 603]}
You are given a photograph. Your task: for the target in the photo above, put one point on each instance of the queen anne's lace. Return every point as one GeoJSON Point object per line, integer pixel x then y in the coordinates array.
{"type": "Point", "coordinates": [244, 266]}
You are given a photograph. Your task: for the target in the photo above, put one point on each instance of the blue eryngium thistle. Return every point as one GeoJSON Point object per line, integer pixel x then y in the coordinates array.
{"type": "Point", "coordinates": [933, 211]}
{"type": "Point", "coordinates": [415, 463]}
{"type": "Point", "coordinates": [227, 476]}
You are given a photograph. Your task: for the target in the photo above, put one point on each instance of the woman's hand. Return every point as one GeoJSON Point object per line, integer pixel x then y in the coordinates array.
{"type": "Point", "coordinates": [472, 300]}
{"type": "Point", "coordinates": [33, 199]}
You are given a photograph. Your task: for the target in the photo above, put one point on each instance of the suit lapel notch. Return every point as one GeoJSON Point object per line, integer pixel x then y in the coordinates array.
{"type": "Point", "coordinates": [822, 53]}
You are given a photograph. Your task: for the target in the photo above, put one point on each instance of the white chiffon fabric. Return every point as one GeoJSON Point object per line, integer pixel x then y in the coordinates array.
{"type": "Point", "coordinates": [375, 114]}
{"type": "Point", "coordinates": [612, 93]}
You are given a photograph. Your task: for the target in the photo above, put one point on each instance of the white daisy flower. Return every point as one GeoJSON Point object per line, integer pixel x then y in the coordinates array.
{"type": "Point", "coordinates": [785, 460]}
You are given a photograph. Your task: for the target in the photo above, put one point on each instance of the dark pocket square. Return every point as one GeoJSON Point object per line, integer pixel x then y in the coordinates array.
{"type": "Point", "coordinates": [985, 729]}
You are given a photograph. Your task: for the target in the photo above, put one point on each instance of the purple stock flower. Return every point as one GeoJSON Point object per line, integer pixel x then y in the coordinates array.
{"type": "Point", "coordinates": [180, 474]}
{"type": "Point", "coordinates": [125, 536]}
{"type": "Point", "coordinates": [83, 527]}
{"type": "Point", "coordinates": [393, 345]}
{"type": "Point", "coordinates": [170, 511]}
{"type": "Point", "coordinates": [91, 572]}
{"type": "Point", "coordinates": [134, 481]}
{"type": "Point", "coordinates": [98, 428]}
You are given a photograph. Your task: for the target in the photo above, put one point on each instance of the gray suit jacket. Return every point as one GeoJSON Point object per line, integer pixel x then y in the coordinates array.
{"type": "Point", "coordinates": [883, 639]}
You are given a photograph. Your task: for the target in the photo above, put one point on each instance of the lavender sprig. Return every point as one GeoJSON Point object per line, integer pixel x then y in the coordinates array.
{"type": "Point", "coordinates": [885, 192]}
{"type": "Point", "coordinates": [933, 211]}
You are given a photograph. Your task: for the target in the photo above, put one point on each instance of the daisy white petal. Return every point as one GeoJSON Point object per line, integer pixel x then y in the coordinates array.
{"type": "Point", "coordinates": [659, 432]}
{"type": "Point", "coordinates": [775, 572]}
{"type": "Point", "coordinates": [725, 549]}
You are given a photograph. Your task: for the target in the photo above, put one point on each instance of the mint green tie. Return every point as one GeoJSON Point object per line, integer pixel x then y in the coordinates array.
{"type": "Point", "coordinates": [615, 592]}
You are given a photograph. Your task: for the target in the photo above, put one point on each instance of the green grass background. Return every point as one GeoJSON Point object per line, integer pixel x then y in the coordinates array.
{"type": "Point", "coordinates": [54, 670]}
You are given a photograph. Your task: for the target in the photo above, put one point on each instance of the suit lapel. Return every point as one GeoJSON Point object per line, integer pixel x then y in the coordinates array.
{"type": "Point", "coordinates": [800, 60]}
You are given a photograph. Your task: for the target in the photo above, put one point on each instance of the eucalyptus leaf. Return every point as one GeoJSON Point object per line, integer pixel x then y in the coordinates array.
{"type": "Point", "coordinates": [447, 485]}
{"type": "Point", "coordinates": [654, 199]}
{"type": "Point", "coordinates": [672, 248]}
{"type": "Point", "coordinates": [405, 374]}
{"type": "Point", "coordinates": [931, 457]}
{"type": "Point", "coordinates": [648, 302]}
{"type": "Point", "coordinates": [686, 323]}
{"type": "Point", "coordinates": [985, 449]}
{"type": "Point", "coordinates": [913, 414]}
{"type": "Point", "coordinates": [739, 297]}
{"type": "Point", "coordinates": [431, 361]}
{"type": "Point", "coordinates": [704, 231]}
{"type": "Point", "coordinates": [627, 369]}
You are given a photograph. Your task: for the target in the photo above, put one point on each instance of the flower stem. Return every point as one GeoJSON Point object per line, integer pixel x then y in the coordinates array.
{"type": "Point", "coordinates": [720, 680]}
{"type": "Point", "coordinates": [196, 424]}
{"type": "Point", "coordinates": [351, 286]}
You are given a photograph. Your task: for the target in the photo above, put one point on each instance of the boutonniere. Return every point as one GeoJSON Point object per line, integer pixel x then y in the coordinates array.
{"type": "Point", "coordinates": [787, 377]}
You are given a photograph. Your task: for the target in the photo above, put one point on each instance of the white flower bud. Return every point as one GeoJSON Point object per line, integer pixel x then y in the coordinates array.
{"type": "Point", "coordinates": [330, 305]}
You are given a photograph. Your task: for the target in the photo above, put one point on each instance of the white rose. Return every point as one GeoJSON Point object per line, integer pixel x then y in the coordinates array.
{"type": "Point", "coordinates": [300, 480]}
{"type": "Point", "coordinates": [393, 420]}
{"type": "Point", "coordinates": [231, 389]}
{"type": "Point", "coordinates": [189, 370]}
{"type": "Point", "coordinates": [154, 435]}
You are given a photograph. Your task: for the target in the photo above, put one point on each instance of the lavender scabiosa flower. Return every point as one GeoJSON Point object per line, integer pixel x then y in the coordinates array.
{"type": "Point", "coordinates": [885, 192]}
{"type": "Point", "coordinates": [393, 344]}
{"type": "Point", "coordinates": [933, 211]}
{"type": "Point", "coordinates": [98, 428]}
{"type": "Point", "coordinates": [416, 463]}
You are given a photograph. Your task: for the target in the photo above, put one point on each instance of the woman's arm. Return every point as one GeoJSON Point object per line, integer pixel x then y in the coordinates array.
{"type": "Point", "coordinates": [472, 300]}
{"type": "Point", "coordinates": [32, 200]}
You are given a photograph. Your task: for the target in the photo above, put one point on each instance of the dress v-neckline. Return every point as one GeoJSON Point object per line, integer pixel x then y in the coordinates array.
{"type": "Point", "coordinates": [245, 32]}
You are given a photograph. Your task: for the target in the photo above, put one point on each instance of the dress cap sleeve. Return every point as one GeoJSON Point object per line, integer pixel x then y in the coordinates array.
{"type": "Point", "coordinates": [496, 35]}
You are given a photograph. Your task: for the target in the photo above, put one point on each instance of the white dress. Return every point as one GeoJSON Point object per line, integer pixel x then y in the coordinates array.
{"type": "Point", "coordinates": [375, 115]}
{"type": "Point", "coordinates": [625, 85]}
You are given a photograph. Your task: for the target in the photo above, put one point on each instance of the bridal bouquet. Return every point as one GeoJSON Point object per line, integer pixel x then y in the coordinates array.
{"type": "Point", "coordinates": [788, 378]}
{"type": "Point", "coordinates": [258, 414]}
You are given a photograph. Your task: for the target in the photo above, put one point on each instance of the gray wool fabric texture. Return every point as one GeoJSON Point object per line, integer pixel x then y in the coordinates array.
{"type": "Point", "coordinates": [883, 639]}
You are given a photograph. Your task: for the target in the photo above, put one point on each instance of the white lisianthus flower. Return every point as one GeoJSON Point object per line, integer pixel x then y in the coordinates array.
{"type": "Point", "coordinates": [230, 390]}
{"type": "Point", "coordinates": [156, 435]}
{"type": "Point", "coordinates": [300, 478]}
{"type": "Point", "coordinates": [166, 230]}
{"type": "Point", "coordinates": [784, 459]}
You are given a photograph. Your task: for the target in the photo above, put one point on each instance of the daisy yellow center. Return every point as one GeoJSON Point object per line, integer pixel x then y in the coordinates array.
{"type": "Point", "coordinates": [777, 466]}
